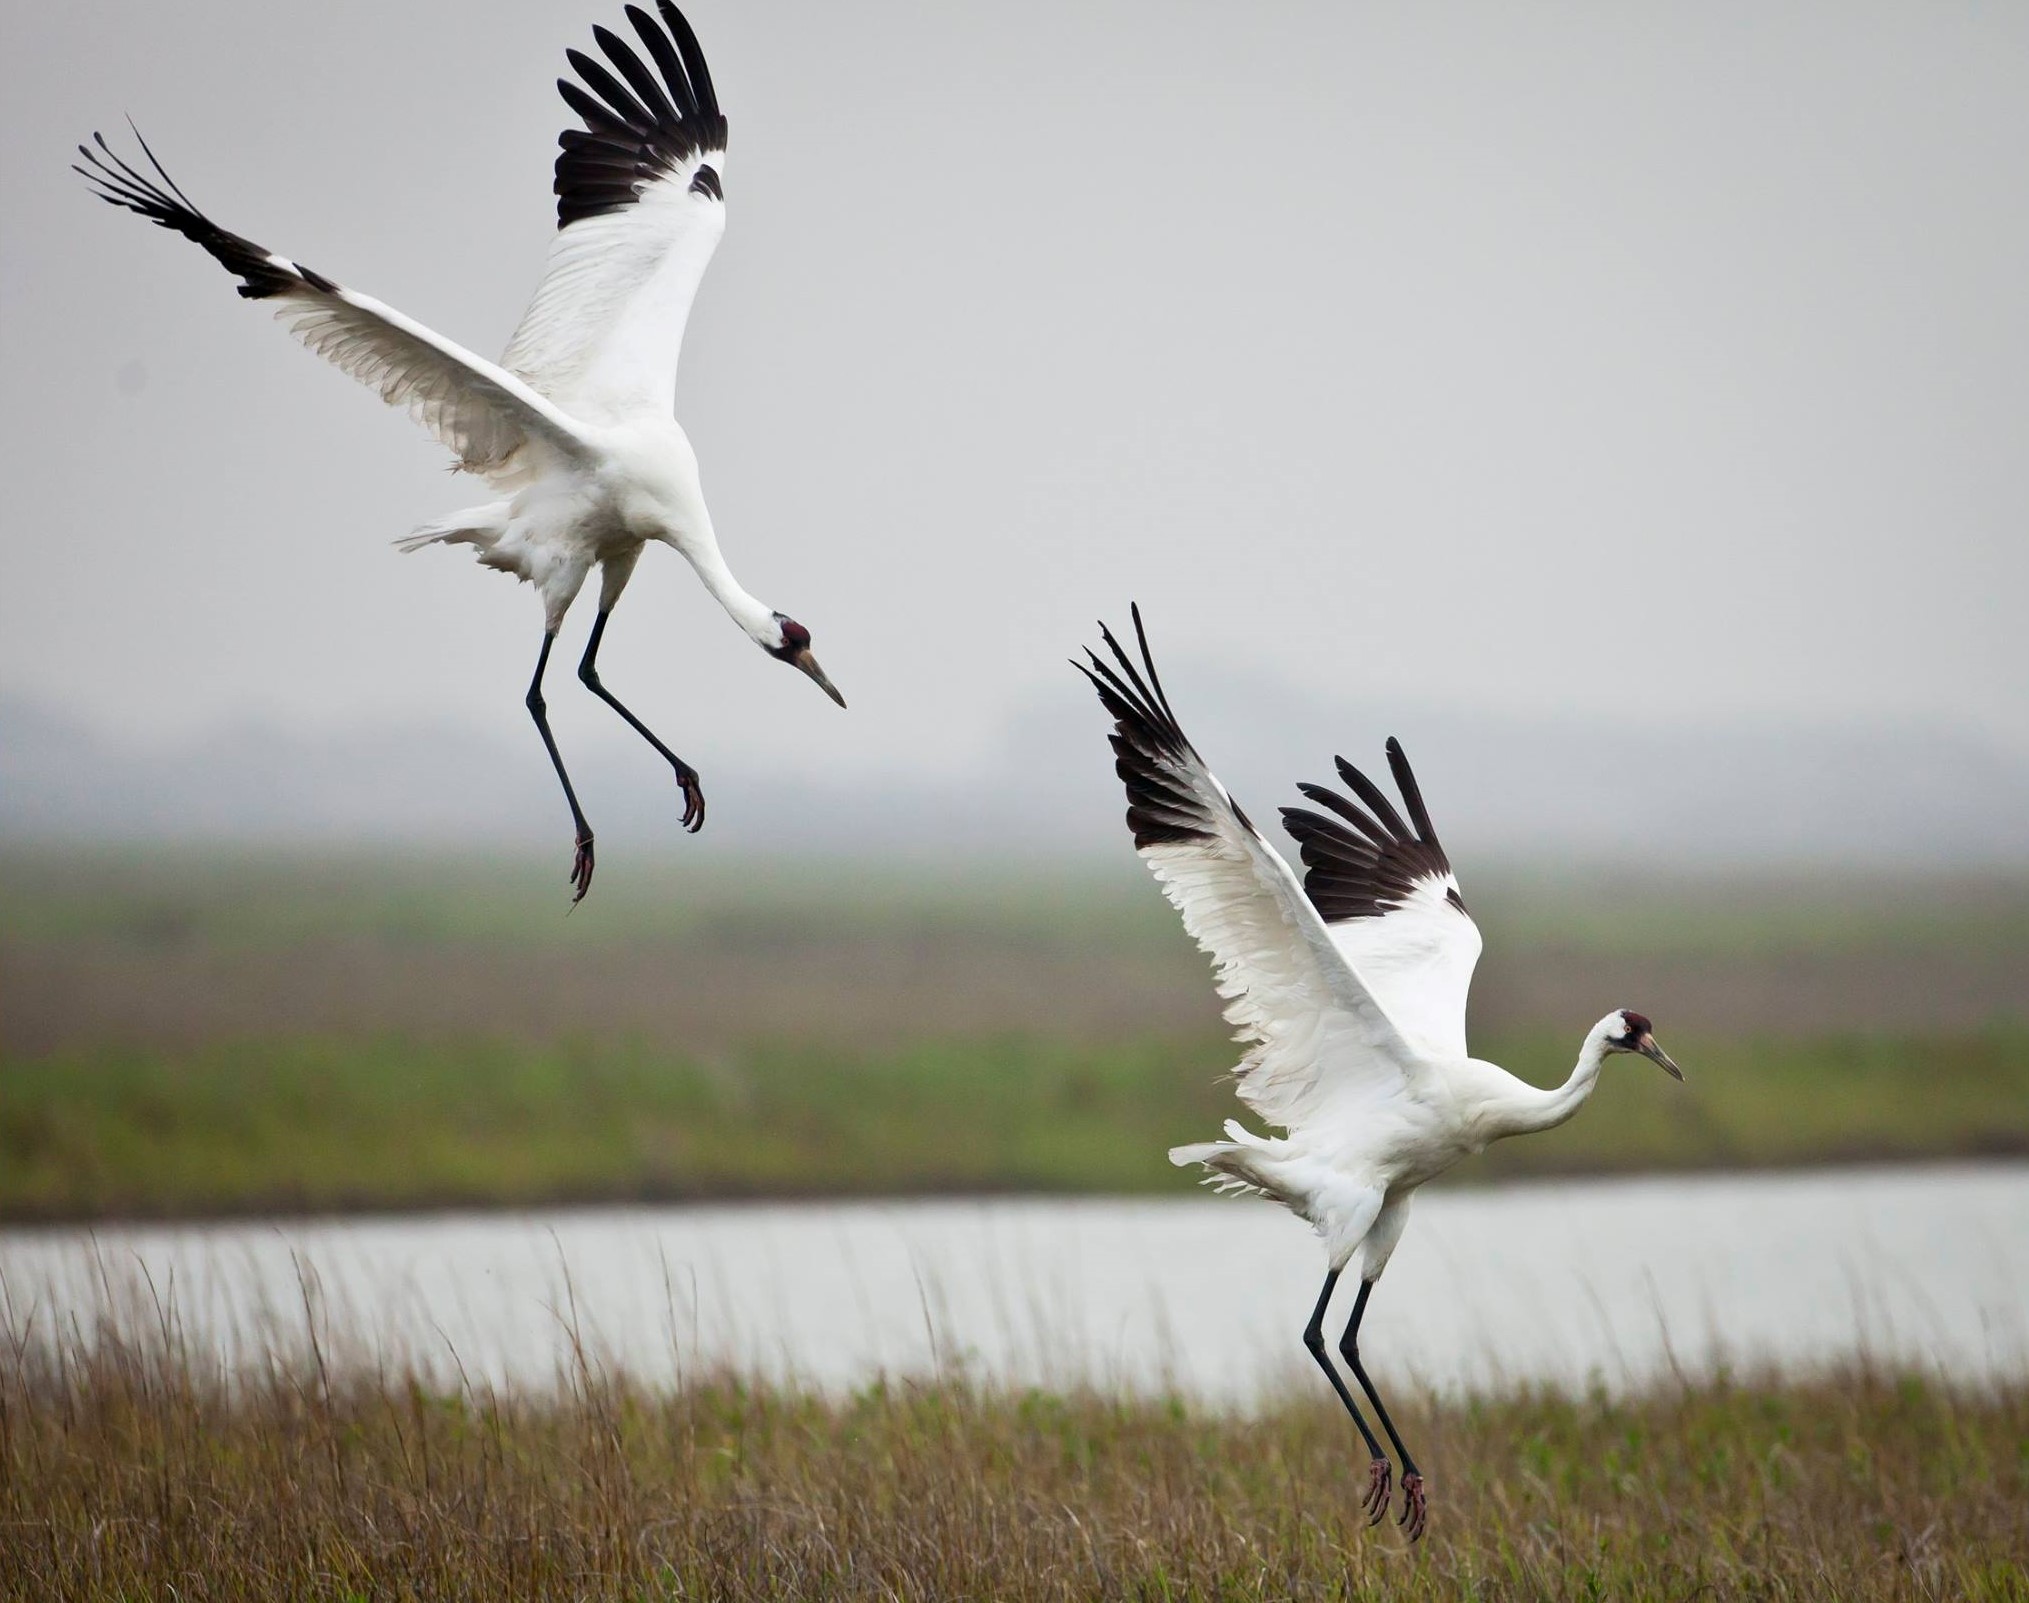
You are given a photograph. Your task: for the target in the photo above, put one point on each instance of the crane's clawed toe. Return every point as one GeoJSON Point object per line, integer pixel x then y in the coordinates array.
{"type": "Point", "coordinates": [581, 868]}
{"type": "Point", "coordinates": [693, 800]}
{"type": "Point", "coordinates": [1415, 1510]}
{"type": "Point", "coordinates": [1380, 1481]}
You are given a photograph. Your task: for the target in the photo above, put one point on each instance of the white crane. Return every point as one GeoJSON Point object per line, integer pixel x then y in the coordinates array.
{"type": "Point", "coordinates": [1348, 989]}
{"type": "Point", "coordinates": [573, 430]}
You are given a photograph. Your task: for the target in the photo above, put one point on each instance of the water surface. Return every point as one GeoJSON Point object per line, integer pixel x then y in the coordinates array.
{"type": "Point", "coordinates": [1610, 1280]}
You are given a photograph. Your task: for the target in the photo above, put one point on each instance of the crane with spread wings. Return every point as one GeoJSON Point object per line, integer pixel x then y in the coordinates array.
{"type": "Point", "coordinates": [573, 429]}
{"type": "Point", "coordinates": [1348, 989]}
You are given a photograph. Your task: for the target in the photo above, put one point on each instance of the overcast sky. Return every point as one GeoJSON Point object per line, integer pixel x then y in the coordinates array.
{"type": "Point", "coordinates": [1659, 362]}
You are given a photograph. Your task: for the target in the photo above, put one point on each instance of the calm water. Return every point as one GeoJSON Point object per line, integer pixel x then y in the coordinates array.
{"type": "Point", "coordinates": [1619, 1280]}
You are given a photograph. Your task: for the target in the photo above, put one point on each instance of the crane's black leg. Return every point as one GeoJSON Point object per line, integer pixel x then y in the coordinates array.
{"type": "Point", "coordinates": [1414, 1511]}
{"type": "Point", "coordinates": [538, 709]}
{"type": "Point", "coordinates": [686, 776]}
{"type": "Point", "coordinates": [1376, 1501]}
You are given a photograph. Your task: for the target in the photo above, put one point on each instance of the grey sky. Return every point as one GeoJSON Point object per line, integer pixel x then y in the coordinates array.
{"type": "Point", "coordinates": [1646, 362]}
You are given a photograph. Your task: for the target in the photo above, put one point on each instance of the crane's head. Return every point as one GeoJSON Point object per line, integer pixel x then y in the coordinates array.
{"type": "Point", "coordinates": [788, 641]}
{"type": "Point", "coordinates": [1629, 1031]}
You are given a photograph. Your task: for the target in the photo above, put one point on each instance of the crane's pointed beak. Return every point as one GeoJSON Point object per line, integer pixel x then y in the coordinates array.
{"type": "Point", "coordinates": [808, 664]}
{"type": "Point", "coordinates": [1648, 1049]}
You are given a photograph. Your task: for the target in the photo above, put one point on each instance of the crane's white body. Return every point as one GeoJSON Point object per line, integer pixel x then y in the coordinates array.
{"type": "Point", "coordinates": [597, 466]}
{"type": "Point", "coordinates": [627, 484]}
{"type": "Point", "coordinates": [1351, 1175]}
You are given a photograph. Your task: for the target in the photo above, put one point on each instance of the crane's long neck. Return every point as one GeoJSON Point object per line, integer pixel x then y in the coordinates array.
{"type": "Point", "coordinates": [749, 612]}
{"type": "Point", "coordinates": [1532, 1109]}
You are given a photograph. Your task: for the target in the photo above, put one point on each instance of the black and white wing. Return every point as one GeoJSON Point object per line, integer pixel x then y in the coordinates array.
{"type": "Point", "coordinates": [1386, 890]}
{"type": "Point", "coordinates": [488, 417]}
{"type": "Point", "coordinates": [640, 208]}
{"type": "Point", "coordinates": [1317, 1038]}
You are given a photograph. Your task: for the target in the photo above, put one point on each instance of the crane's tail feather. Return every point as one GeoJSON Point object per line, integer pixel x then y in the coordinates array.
{"type": "Point", "coordinates": [1233, 1165]}
{"type": "Point", "coordinates": [481, 526]}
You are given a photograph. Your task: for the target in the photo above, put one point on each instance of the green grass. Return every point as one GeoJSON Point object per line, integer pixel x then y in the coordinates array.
{"type": "Point", "coordinates": [308, 1124]}
{"type": "Point", "coordinates": [1768, 1101]}
{"type": "Point", "coordinates": [129, 1471]}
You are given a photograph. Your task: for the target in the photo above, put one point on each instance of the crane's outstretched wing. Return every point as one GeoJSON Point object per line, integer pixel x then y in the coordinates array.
{"type": "Point", "coordinates": [484, 414]}
{"type": "Point", "coordinates": [1392, 903]}
{"type": "Point", "coordinates": [640, 208]}
{"type": "Point", "coordinates": [1317, 1038]}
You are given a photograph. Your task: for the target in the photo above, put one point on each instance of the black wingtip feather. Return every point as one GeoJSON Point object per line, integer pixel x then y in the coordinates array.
{"type": "Point", "coordinates": [160, 171]}
{"type": "Point", "coordinates": [1367, 874]}
{"type": "Point", "coordinates": [656, 40]}
{"type": "Point", "coordinates": [1412, 793]}
{"type": "Point", "coordinates": [638, 131]}
{"type": "Point", "coordinates": [1378, 833]}
{"type": "Point", "coordinates": [654, 98]}
{"type": "Point", "coordinates": [693, 58]}
{"type": "Point", "coordinates": [629, 111]}
{"type": "Point", "coordinates": [1151, 753]}
{"type": "Point", "coordinates": [118, 183]}
{"type": "Point", "coordinates": [1372, 795]}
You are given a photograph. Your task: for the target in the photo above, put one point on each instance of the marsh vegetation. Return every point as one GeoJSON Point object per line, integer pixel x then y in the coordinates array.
{"type": "Point", "coordinates": [129, 1470]}
{"type": "Point", "coordinates": [191, 1034]}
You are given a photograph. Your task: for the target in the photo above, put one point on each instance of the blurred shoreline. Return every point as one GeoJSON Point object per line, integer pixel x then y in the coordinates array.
{"type": "Point", "coordinates": [2005, 1152]}
{"type": "Point", "coordinates": [206, 1034]}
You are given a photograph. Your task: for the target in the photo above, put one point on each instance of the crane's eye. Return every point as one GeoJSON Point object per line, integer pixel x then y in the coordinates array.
{"type": "Point", "coordinates": [795, 637]}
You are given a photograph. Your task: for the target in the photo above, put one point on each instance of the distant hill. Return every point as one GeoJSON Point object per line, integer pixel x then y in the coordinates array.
{"type": "Point", "coordinates": [1500, 787]}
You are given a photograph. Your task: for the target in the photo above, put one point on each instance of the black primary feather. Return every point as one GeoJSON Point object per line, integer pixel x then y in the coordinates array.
{"type": "Point", "coordinates": [1149, 747]}
{"type": "Point", "coordinates": [166, 206]}
{"type": "Point", "coordinates": [1370, 868]}
{"type": "Point", "coordinates": [640, 130]}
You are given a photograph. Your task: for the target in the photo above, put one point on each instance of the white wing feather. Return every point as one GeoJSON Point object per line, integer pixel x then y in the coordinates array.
{"type": "Point", "coordinates": [1419, 960]}
{"type": "Point", "coordinates": [488, 417]}
{"type": "Point", "coordinates": [1318, 1038]}
{"type": "Point", "coordinates": [485, 415]}
{"type": "Point", "coordinates": [605, 329]}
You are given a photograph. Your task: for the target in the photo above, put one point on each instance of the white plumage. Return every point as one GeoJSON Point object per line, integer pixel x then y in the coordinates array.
{"type": "Point", "coordinates": [573, 429]}
{"type": "Point", "coordinates": [604, 331]}
{"type": "Point", "coordinates": [1348, 989]}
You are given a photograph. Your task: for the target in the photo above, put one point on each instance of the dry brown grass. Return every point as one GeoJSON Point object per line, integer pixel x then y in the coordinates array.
{"type": "Point", "coordinates": [127, 1471]}
{"type": "Point", "coordinates": [883, 989]}
{"type": "Point", "coordinates": [177, 952]}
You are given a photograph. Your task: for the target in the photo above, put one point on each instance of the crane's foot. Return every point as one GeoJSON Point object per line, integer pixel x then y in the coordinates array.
{"type": "Point", "coordinates": [1380, 1479]}
{"type": "Point", "coordinates": [581, 868]}
{"type": "Point", "coordinates": [1415, 1510]}
{"type": "Point", "coordinates": [693, 798]}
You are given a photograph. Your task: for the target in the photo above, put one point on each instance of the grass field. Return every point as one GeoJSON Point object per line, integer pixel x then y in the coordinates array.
{"type": "Point", "coordinates": [200, 1034]}
{"type": "Point", "coordinates": [128, 1472]}
{"type": "Point", "coordinates": [322, 1125]}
